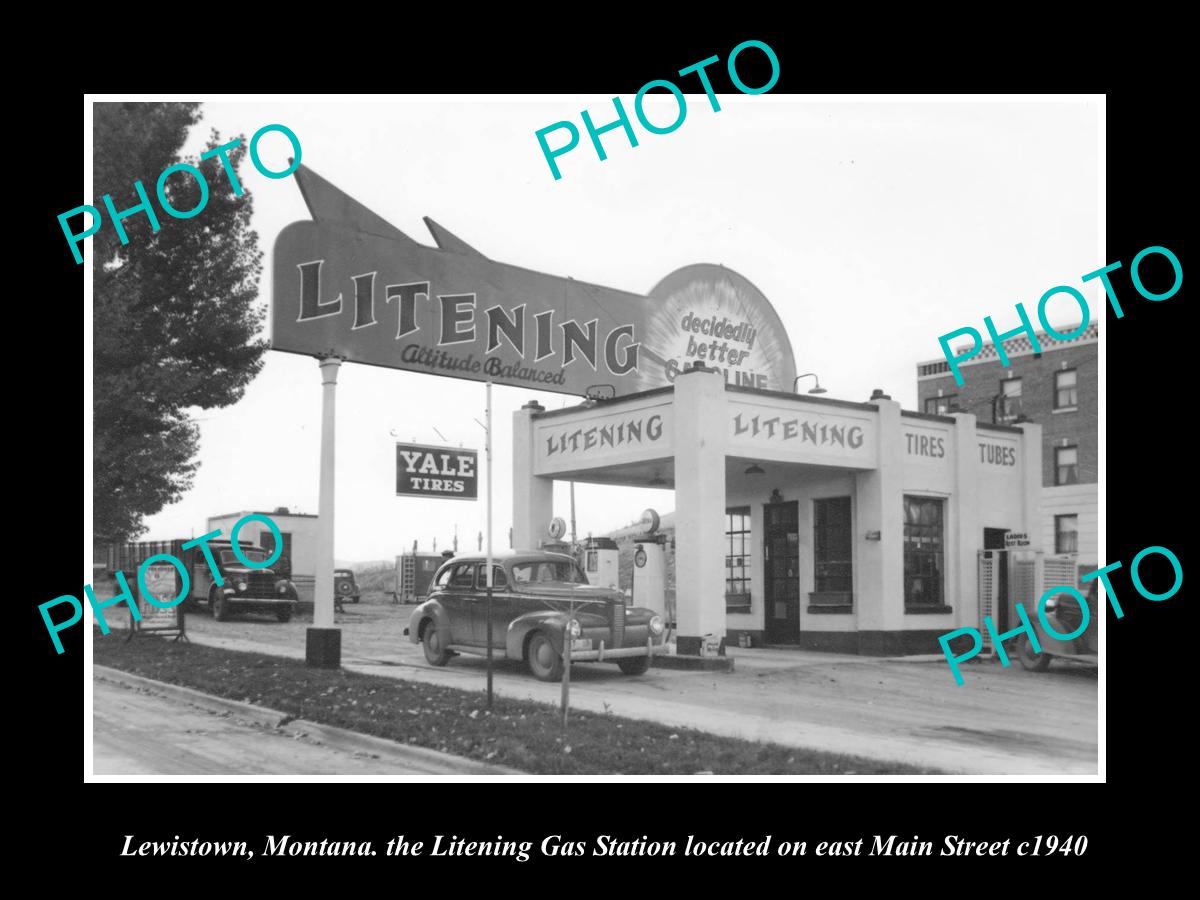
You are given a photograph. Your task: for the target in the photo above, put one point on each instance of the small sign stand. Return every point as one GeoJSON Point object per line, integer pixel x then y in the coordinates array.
{"type": "Point", "coordinates": [159, 581]}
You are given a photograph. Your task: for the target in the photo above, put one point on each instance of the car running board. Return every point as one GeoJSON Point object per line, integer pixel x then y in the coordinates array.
{"type": "Point", "coordinates": [477, 651]}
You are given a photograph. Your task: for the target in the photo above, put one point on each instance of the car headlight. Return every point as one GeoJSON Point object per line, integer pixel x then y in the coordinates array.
{"type": "Point", "coordinates": [574, 629]}
{"type": "Point", "coordinates": [241, 586]}
{"type": "Point", "coordinates": [283, 587]}
{"type": "Point", "coordinates": [656, 625]}
{"type": "Point", "coordinates": [1051, 603]}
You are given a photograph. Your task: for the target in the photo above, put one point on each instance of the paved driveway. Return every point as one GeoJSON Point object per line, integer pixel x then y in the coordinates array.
{"type": "Point", "coordinates": [1002, 721]}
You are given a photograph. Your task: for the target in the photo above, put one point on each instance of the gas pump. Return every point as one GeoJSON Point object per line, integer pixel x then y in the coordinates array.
{"type": "Point", "coordinates": [556, 544]}
{"type": "Point", "coordinates": [650, 568]}
{"type": "Point", "coordinates": [601, 562]}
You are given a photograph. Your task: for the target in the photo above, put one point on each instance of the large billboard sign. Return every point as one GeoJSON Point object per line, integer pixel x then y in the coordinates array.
{"type": "Point", "coordinates": [351, 284]}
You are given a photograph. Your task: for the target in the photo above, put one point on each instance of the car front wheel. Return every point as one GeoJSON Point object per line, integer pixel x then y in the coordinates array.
{"type": "Point", "coordinates": [1034, 662]}
{"type": "Point", "coordinates": [435, 652]}
{"type": "Point", "coordinates": [284, 614]}
{"type": "Point", "coordinates": [219, 605]}
{"type": "Point", "coordinates": [634, 665]}
{"type": "Point", "coordinates": [544, 661]}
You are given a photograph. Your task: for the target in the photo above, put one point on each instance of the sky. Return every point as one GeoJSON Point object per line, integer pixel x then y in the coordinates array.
{"type": "Point", "coordinates": [872, 227]}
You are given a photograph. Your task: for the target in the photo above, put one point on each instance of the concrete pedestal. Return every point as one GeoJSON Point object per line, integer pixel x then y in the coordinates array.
{"type": "Point", "coordinates": [323, 648]}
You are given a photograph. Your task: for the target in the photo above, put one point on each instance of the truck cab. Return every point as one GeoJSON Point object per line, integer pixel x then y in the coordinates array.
{"type": "Point", "coordinates": [1065, 615]}
{"type": "Point", "coordinates": [244, 589]}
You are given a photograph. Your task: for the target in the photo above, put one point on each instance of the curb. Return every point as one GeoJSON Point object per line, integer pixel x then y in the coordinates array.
{"type": "Point", "coordinates": [259, 715]}
{"type": "Point", "coordinates": [339, 738]}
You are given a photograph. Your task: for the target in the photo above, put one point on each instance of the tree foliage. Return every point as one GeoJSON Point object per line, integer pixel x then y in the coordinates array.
{"type": "Point", "coordinates": [175, 326]}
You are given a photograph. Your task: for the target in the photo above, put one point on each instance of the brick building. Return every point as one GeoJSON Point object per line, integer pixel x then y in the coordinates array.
{"type": "Point", "coordinates": [1057, 388]}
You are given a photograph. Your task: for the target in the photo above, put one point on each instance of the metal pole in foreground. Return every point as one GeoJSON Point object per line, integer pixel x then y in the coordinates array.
{"type": "Point", "coordinates": [488, 453]}
{"type": "Point", "coordinates": [323, 641]}
{"type": "Point", "coordinates": [566, 679]}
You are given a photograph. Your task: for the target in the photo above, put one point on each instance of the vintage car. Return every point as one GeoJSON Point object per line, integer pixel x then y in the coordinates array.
{"type": "Point", "coordinates": [245, 589]}
{"type": "Point", "coordinates": [539, 601]}
{"type": "Point", "coordinates": [344, 586]}
{"type": "Point", "coordinates": [1064, 614]}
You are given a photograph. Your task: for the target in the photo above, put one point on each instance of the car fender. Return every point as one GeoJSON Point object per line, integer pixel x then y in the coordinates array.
{"type": "Point", "coordinates": [550, 621]}
{"type": "Point", "coordinates": [430, 609]}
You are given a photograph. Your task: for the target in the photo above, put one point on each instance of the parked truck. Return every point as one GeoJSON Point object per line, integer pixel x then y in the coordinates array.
{"type": "Point", "coordinates": [243, 588]}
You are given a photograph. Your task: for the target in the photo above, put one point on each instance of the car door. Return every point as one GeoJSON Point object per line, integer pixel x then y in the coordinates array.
{"type": "Point", "coordinates": [456, 599]}
{"type": "Point", "coordinates": [201, 580]}
{"type": "Point", "coordinates": [502, 605]}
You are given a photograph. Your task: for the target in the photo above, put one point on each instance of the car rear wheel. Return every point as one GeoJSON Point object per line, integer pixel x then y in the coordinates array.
{"type": "Point", "coordinates": [634, 665]}
{"type": "Point", "coordinates": [436, 653]}
{"type": "Point", "coordinates": [354, 599]}
{"type": "Point", "coordinates": [1034, 662]}
{"type": "Point", "coordinates": [219, 605]}
{"type": "Point", "coordinates": [544, 661]}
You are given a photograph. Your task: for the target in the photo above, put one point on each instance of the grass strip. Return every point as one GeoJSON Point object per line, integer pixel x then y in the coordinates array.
{"type": "Point", "coordinates": [517, 733]}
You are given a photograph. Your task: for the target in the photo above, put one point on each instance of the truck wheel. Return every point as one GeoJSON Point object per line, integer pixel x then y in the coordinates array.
{"type": "Point", "coordinates": [634, 665]}
{"type": "Point", "coordinates": [435, 652]}
{"type": "Point", "coordinates": [544, 661]}
{"type": "Point", "coordinates": [1034, 662]}
{"type": "Point", "coordinates": [219, 605]}
{"type": "Point", "coordinates": [284, 615]}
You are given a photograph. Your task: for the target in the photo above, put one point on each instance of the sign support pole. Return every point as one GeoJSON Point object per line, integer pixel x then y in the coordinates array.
{"type": "Point", "coordinates": [565, 701]}
{"type": "Point", "coordinates": [488, 451]}
{"type": "Point", "coordinates": [324, 641]}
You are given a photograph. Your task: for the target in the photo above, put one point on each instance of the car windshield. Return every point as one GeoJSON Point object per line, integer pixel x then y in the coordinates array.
{"type": "Point", "coordinates": [564, 571]}
{"type": "Point", "coordinates": [255, 556]}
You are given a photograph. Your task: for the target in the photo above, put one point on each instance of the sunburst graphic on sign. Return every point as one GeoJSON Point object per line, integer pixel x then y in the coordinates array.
{"type": "Point", "coordinates": [712, 315]}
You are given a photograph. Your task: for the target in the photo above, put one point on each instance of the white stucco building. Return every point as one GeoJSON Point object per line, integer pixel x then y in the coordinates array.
{"type": "Point", "coordinates": [827, 524]}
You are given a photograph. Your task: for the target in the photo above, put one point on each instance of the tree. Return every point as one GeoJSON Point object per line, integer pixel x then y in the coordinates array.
{"type": "Point", "coordinates": [175, 327]}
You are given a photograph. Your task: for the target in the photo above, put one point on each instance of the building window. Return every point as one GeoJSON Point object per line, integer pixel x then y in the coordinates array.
{"type": "Point", "coordinates": [924, 552]}
{"type": "Point", "coordinates": [1066, 393]}
{"type": "Point", "coordinates": [1066, 465]}
{"type": "Point", "coordinates": [737, 559]}
{"type": "Point", "coordinates": [940, 406]}
{"type": "Point", "coordinates": [832, 545]}
{"type": "Point", "coordinates": [1066, 534]}
{"type": "Point", "coordinates": [1009, 400]}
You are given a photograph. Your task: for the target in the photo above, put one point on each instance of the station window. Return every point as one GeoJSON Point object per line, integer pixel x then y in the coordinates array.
{"type": "Point", "coordinates": [737, 559]}
{"type": "Point", "coordinates": [1066, 392]}
{"type": "Point", "coordinates": [832, 545]}
{"type": "Point", "coordinates": [1066, 534]}
{"type": "Point", "coordinates": [924, 552]}
{"type": "Point", "coordinates": [1066, 465]}
{"type": "Point", "coordinates": [940, 406]}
